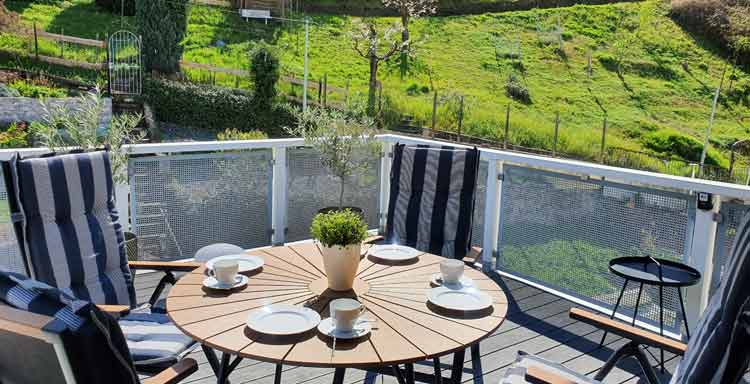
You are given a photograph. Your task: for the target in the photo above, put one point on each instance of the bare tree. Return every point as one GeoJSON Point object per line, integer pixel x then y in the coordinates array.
{"type": "Point", "coordinates": [376, 47]}
{"type": "Point", "coordinates": [411, 9]}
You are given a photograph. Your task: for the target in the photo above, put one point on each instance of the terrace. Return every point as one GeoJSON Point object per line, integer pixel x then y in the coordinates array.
{"type": "Point", "coordinates": [548, 227]}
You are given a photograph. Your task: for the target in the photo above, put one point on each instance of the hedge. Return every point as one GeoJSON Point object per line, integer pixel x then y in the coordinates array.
{"type": "Point", "coordinates": [212, 108]}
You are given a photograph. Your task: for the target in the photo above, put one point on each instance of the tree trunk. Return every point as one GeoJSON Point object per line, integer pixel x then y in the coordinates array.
{"type": "Point", "coordinates": [373, 85]}
{"type": "Point", "coordinates": [405, 31]}
{"type": "Point", "coordinates": [341, 194]}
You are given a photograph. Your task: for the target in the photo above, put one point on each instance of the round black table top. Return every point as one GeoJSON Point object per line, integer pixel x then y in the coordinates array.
{"type": "Point", "coordinates": [654, 271]}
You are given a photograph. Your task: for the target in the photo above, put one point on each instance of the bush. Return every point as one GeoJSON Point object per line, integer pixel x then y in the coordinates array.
{"type": "Point", "coordinates": [264, 70]}
{"type": "Point", "coordinates": [26, 89]}
{"type": "Point", "coordinates": [116, 6]}
{"type": "Point", "coordinates": [517, 90]}
{"type": "Point", "coordinates": [340, 228]}
{"type": "Point", "coordinates": [235, 134]}
{"type": "Point", "coordinates": [162, 25]}
{"type": "Point", "coordinates": [213, 108]}
{"type": "Point", "coordinates": [670, 142]}
{"type": "Point", "coordinates": [15, 136]}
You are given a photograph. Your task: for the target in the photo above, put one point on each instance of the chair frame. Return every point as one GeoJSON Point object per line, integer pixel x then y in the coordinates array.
{"type": "Point", "coordinates": [27, 325]}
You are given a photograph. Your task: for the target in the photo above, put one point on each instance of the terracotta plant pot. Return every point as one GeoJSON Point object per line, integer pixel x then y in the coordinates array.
{"type": "Point", "coordinates": [341, 265]}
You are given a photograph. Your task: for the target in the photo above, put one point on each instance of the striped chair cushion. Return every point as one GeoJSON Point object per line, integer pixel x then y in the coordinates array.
{"type": "Point", "coordinates": [718, 351]}
{"type": "Point", "coordinates": [69, 233]}
{"type": "Point", "coordinates": [516, 374]}
{"type": "Point", "coordinates": [154, 342]}
{"type": "Point", "coordinates": [431, 200]}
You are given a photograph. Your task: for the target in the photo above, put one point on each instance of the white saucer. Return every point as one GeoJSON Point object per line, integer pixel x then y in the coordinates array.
{"type": "Point", "coordinates": [463, 299]}
{"type": "Point", "coordinates": [283, 319]}
{"type": "Point", "coordinates": [327, 328]}
{"type": "Point", "coordinates": [246, 263]}
{"type": "Point", "coordinates": [393, 252]}
{"type": "Point", "coordinates": [437, 279]}
{"type": "Point", "coordinates": [212, 283]}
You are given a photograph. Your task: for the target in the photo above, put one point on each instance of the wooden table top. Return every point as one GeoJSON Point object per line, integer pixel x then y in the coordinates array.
{"type": "Point", "coordinates": [407, 327]}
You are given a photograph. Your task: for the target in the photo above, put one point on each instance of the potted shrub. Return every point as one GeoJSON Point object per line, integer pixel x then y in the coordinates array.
{"type": "Point", "coordinates": [340, 234]}
{"type": "Point", "coordinates": [345, 141]}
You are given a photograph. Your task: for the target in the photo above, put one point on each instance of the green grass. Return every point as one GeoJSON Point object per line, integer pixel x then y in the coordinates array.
{"type": "Point", "coordinates": [457, 55]}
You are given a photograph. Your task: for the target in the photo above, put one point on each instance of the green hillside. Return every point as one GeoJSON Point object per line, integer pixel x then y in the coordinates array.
{"type": "Point", "coordinates": [664, 87]}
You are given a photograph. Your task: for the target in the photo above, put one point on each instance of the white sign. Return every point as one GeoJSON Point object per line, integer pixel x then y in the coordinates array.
{"type": "Point", "coordinates": [255, 13]}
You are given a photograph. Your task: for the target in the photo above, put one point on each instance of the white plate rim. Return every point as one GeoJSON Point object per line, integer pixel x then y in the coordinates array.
{"type": "Point", "coordinates": [327, 323]}
{"type": "Point", "coordinates": [243, 281]}
{"type": "Point", "coordinates": [257, 259]}
{"type": "Point", "coordinates": [374, 249]}
{"type": "Point", "coordinates": [486, 298]}
{"type": "Point", "coordinates": [465, 281]}
{"type": "Point", "coordinates": [313, 316]}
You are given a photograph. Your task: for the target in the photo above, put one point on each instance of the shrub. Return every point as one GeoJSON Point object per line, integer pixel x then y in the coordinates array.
{"type": "Point", "coordinates": [162, 25]}
{"type": "Point", "coordinates": [117, 6]}
{"type": "Point", "coordinates": [235, 134]}
{"type": "Point", "coordinates": [26, 89]}
{"type": "Point", "coordinates": [670, 142]}
{"type": "Point", "coordinates": [340, 228]}
{"type": "Point", "coordinates": [264, 70]}
{"type": "Point", "coordinates": [213, 108]}
{"type": "Point", "coordinates": [517, 90]}
{"type": "Point", "coordinates": [15, 136]}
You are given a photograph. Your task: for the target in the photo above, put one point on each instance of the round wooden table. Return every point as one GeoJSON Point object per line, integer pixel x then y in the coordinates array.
{"type": "Point", "coordinates": [407, 328]}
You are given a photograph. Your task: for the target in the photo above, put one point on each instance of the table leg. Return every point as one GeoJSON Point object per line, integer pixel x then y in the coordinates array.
{"type": "Point", "coordinates": [438, 370]}
{"type": "Point", "coordinates": [277, 375]}
{"type": "Point", "coordinates": [684, 315]}
{"type": "Point", "coordinates": [458, 366]}
{"type": "Point", "coordinates": [338, 376]}
{"type": "Point", "coordinates": [222, 374]}
{"type": "Point", "coordinates": [213, 361]}
{"type": "Point", "coordinates": [614, 310]}
{"type": "Point", "coordinates": [476, 364]}
{"type": "Point", "coordinates": [222, 369]}
{"type": "Point", "coordinates": [409, 367]}
{"type": "Point", "coordinates": [637, 303]}
{"type": "Point", "coordinates": [396, 372]}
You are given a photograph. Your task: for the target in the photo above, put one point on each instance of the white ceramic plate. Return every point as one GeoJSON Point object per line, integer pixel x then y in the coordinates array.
{"type": "Point", "coordinates": [437, 279]}
{"type": "Point", "coordinates": [283, 319]}
{"type": "Point", "coordinates": [247, 263]}
{"type": "Point", "coordinates": [327, 328]}
{"type": "Point", "coordinates": [462, 299]}
{"type": "Point", "coordinates": [212, 283]}
{"type": "Point", "coordinates": [392, 252]}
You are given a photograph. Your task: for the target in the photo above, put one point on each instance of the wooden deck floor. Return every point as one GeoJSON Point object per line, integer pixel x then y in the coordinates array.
{"type": "Point", "coordinates": [537, 323]}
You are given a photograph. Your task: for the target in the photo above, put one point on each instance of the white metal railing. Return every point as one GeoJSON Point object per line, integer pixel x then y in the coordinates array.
{"type": "Point", "coordinates": [701, 238]}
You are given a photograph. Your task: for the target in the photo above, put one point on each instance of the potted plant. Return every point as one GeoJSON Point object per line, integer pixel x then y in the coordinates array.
{"type": "Point", "coordinates": [340, 234]}
{"type": "Point", "coordinates": [345, 141]}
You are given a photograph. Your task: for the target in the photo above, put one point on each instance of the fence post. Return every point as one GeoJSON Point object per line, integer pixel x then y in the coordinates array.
{"type": "Point", "coordinates": [36, 43]}
{"type": "Point", "coordinates": [62, 44]}
{"type": "Point", "coordinates": [346, 95]}
{"type": "Point", "coordinates": [325, 89]}
{"type": "Point", "coordinates": [701, 258]}
{"type": "Point", "coordinates": [434, 111]}
{"type": "Point", "coordinates": [507, 127]}
{"type": "Point", "coordinates": [106, 51]}
{"type": "Point", "coordinates": [380, 97]}
{"type": "Point", "coordinates": [604, 139]}
{"type": "Point", "coordinates": [460, 117]}
{"type": "Point", "coordinates": [557, 129]}
{"type": "Point", "coordinates": [279, 196]}
{"type": "Point", "coordinates": [320, 92]}
{"type": "Point", "coordinates": [491, 226]}
{"type": "Point", "coordinates": [589, 70]}
{"type": "Point", "coordinates": [385, 187]}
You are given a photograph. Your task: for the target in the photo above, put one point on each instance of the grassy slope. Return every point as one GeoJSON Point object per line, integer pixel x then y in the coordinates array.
{"type": "Point", "coordinates": [460, 54]}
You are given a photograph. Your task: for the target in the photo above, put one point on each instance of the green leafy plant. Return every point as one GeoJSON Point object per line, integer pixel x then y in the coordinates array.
{"type": "Point", "coordinates": [26, 89]}
{"type": "Point", "coordinates": [235, 134]}
{"type": "Point", "coordinates": [344, 140]}
{"type": "Point", "coordinates": [516, 90]}
{"type": "Point", "coordinates": [64, 128]}
{"type": "Point", "coordinates": [338, 228]}
{"type": "Point", "coordinates": [15, 136]}
{"type": "Point", "coordinates": [264, 70]}
{"type": "Point", "coordinates": [162, 25]}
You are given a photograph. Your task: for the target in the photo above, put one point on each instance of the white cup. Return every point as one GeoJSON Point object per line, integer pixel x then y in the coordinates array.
{"type": "Point", "coordinates": [225, 271]}
{"type": "Point", "coordinates": [451, 270]}
{"type": "Point", "coordinates": [345, 313]}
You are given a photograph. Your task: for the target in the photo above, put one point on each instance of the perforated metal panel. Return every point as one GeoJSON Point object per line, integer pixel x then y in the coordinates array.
{"type": "Point", "coordinates": [180, 203]}
{"type": "Point", "coordinates": [731, 218]}
{"type": "Point", "coordinates": [561, 231]}
{"type": "Point", "coordinates": [480, 195]}
{"type": "Point", "coordinates": [312, 187]}
{"type": "Point", "coordinates": [10, 255]}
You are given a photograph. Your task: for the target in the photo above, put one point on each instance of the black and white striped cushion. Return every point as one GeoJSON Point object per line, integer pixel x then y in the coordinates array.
{"type": "Point", "coordinates": [718, 351]}
{"type": "Point", "coordinates": [69, 228]}
{"type": "Point", "coordinates": [431, 200]}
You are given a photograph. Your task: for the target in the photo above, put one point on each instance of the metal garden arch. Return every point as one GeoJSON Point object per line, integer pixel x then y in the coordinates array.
{"type": "Point", "coordinates": [124, 63]}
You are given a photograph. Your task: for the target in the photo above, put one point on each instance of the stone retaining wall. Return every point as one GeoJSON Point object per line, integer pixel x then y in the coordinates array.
{"type": "Point", "coordinates": [15, 109]}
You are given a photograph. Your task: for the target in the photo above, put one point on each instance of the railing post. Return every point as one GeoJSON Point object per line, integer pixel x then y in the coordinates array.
{"type": "Point", "coordinates": [122, 203]}
{"type": "Point", "coordinates": [385, 184]}
{"type": "Point", "coordinates": [701, 258]}
{"type": "Point", "coordinates": [491, 214]}
{"type": "Point", "coordinates": [279, 197]}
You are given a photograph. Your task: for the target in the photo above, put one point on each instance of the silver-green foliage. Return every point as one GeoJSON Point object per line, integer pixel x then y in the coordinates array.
{"type": "Point", "coordinates": [66, 128]}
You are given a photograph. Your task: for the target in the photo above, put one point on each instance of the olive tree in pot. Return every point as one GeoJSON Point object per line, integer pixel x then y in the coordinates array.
{"type": "Point", "coordinates": [340, 235]}
{"type": "Point", "coordinates": [345, 141]}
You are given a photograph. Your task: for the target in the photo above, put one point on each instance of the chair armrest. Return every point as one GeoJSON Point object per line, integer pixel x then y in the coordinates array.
{"type": "Point", "coordinates": [115, 310]}
{"type": "Point", "coordinates": [22, 322]}
{"type": "Point", "coordinates": [538, 375]}
{"type": "Point", "coordinates": [475, 253]}
{"type": "Point", "coordinates": [174, 266]}
{"type": "Point", "coordinates": [629, 332]}
{"type": "Point", "coordinates": [373, 239]}
{"type": "Point", "coordinates": [175, 373]}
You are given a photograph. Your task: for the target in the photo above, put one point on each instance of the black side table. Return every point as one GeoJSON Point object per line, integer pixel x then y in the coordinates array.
{"type": "Point", "coordinates": [656, 272]}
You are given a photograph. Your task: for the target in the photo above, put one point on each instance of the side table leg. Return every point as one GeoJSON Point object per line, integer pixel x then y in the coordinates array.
{"type": "Point", "coordinates": [338, 375]}
{"type": "Point", "coordinates": [614, 311]}
{"type": "Point", "coordinates": [684, 315]}
{"type": "Point", "coordinates": [637, 303]}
